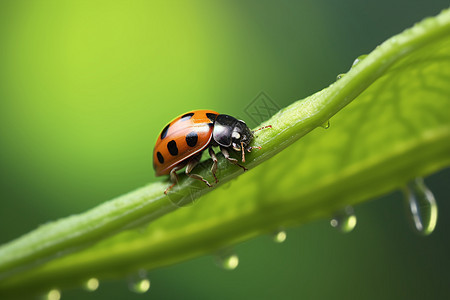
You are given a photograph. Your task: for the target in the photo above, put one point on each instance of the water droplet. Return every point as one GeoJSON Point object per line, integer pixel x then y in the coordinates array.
{"type": "Point", "coordinates": [228, 260]}
{"type": "Point", "coordinates": [340, 76]}
{"type": "Point", "coordinates": [344, 220]}
{"type": "Point", "coordinates": [422, 207]}
{"type": "Point", "coordinates": [139, 283]}
{"type": "Point", "coordinates": [359, 59]}
{"type": "Point", "coordinates": [279, 237]}
{"type": "Point", "coordinates": [326, 125]}
{"type": "Point", "coordinates": [91, 284]}
{"type": "Point", "coordinates": [53, 294]}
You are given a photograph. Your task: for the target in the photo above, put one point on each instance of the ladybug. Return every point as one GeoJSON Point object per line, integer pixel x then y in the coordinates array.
{"type": "Point", "coordinates": [182, 142]}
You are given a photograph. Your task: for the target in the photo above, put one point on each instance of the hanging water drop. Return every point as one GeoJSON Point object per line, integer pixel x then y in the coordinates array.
{"type": "Point", "coordinates": [340, 76]}
{"type": "Point", "coordinates": [91, 284]}
{"type": "Point", "coordinates": [139, 283]}
{"type": "Point", "coordinates": [279, 237]}
{"type": "Point", "coordinates": [326, 125]}
{"type": "Point", "coordinates": [227, 261]}
{"type": "Point", "coordinates": [355, 62]}
{"type": "Point", "coordinates": [344, 220]}
{"type": "Point", "coordinates": [359, 59]}
{"type": "Point", "coordinates": [53, 294]}
{"type": "Point", "coordinates": [421, 205]}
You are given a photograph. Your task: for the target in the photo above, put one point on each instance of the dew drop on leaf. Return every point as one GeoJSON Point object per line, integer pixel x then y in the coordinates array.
{"type": "Point", "coordinates": [358, 59]}
{"type": "Point", "coordinates": [344, 220]}
{"type": "Point", "coordinates": [227, 261]}
{"type": "Point", "coordinates": [421, 206]}
{"type": "Point", "coordinates": [91, 284]}
{"type": "Point", "coordinates": [139, 283]}
{"type": "Point", "coordinates": [279, 236]}
{"type": "Point", "coordinates": [53, 294]}
{"type": "Point", "coordinates": [326, 125]}
{"type": "Point", "coordinates": [340, 76]}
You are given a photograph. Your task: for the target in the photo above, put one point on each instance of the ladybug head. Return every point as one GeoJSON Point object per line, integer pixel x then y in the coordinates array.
{"type": "Point", "coordinates": [231, 132]}
{"type": "Point", "coordinates": [241, 136]}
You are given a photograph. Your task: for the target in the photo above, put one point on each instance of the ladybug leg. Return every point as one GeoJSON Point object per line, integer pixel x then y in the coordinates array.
{"type": "Point", "coordinates": [191, 165]}
{"type": "Point", "coordinates": [243, 152]}
{"type": "Point", "coordinates": [173, 178]}
{"type": "Point", "coordinates": [230, 159]}
{"type": "Point", "coordinates": [249, 149]}
{"type": "Point", "coordinates": [214, 166]}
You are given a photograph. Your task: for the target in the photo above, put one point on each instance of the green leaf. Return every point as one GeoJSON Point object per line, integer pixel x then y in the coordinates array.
{"type": "Point", "coordinates": [397, 128]}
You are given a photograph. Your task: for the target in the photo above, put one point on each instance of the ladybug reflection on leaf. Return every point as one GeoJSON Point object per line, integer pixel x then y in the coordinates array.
{"type": "Point", "coordinates": [182, 142]}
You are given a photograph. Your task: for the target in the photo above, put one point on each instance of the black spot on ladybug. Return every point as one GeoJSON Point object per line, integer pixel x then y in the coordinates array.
{"type": "Point", "coordinates": [160, 157]}
{"type": "Point", "coordinates": [211, 116]}
{"type": "Point", "coordinates": [186, 117]}
{"type": "Point", "coordinates": [172, 147]}
{"type": "Point", "coordinates": [164, 131]}
{"type": "Point", "coordinates": [191, 139]}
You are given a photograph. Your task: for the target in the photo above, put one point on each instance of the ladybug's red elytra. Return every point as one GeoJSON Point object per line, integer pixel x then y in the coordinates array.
{"type": "Point", "coordinates": [182, 142]}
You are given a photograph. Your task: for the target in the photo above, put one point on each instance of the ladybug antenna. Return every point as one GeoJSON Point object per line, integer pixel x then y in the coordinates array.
{"type": "Point", "coordinates": [261, 128]}
{"type": "Point", "coordinates": [243, 152]}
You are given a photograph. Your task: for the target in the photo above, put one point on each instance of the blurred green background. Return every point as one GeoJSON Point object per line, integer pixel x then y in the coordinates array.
{"type": "Point", "coordinates": [86, 86]}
